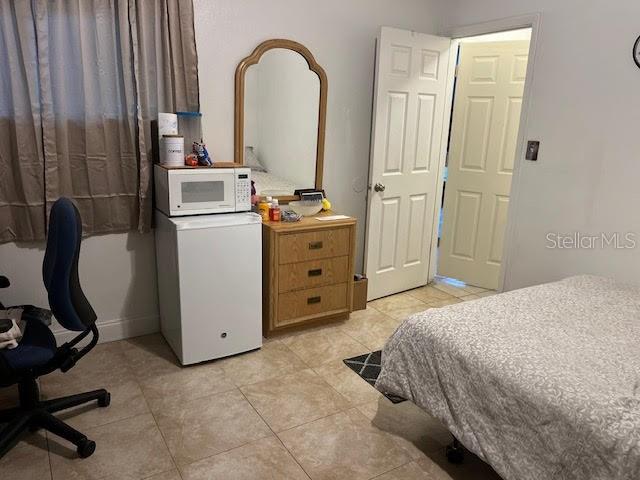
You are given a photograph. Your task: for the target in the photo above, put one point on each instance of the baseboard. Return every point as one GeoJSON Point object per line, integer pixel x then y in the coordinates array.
{"type": "Point", "coordinates": [117, 329]}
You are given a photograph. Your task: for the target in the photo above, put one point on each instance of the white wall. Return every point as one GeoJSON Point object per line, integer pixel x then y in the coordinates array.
{"type": "Point", "coordinates": [341, 35]}
{"type": "Point", "coordinates": [117, 273]}
{"type": "Point", "coordinates": [585, 110]}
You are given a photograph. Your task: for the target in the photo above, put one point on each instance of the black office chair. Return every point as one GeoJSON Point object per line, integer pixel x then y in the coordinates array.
{"type": "Point", "coordinates": [37, 353]}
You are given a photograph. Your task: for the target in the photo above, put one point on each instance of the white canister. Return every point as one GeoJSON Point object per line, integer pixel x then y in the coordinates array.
{"type": "Point", "coordinates": [172, 150]}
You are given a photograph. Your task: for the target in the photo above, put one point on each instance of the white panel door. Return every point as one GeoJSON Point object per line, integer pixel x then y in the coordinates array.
{"type": "Point", "coordinates": [409, 113]}
{"type": "Point", "coordinates": [486, 118]}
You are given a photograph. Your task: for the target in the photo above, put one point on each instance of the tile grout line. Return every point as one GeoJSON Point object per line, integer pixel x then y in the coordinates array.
{"type": "Point", "coordinates": [155, 421]}
{"type": "Point", "coordinates": [352, 404]}
{"type": "Point", "coordinates": [312, 367]}
{"type": "Point", "coordinates": [46, 439]}
{"type": "Point", "coordinates": [109, 387]}
{"type": "Point", "coordinates": [138, 382]}
{"type": "Point", "coordinates": [220, 452]}
{"type": "Point", "coordinates": [161, 473]}
{"type": "Point", "coordinates": [295, 355]}
{"type": "Point", "coordinates": [238, 388]}
{"type": "Point", "coordinates": [150, 412]}
{"type": "Point", "coordinates": [276, 435]}
{"type": "Point", "coordinates": [392, 470]}
{"type": "Point", "coordinates": [353, 407]}
{"type": "Point", "coordinates": [310, 421]}
{"type": "Point", "coordinates": [110, 422]}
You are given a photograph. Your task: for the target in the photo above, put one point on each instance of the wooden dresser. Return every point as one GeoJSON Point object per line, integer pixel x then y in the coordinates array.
{"type": "Point", "coordinates": [307, 272]}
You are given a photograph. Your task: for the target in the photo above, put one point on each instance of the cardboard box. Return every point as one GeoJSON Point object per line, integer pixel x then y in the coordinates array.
{"type": "Point", "coordinates": [359, 293]}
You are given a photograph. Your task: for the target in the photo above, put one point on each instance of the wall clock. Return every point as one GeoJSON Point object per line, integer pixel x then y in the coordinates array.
{"type": "Point", "coordinates": [636, 52]}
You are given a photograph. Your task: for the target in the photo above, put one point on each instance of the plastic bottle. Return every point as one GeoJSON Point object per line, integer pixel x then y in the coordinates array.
{"type": "Point", "coordinates": [274, 211]}
{"type": "Point", "coordinates": [264, 207]}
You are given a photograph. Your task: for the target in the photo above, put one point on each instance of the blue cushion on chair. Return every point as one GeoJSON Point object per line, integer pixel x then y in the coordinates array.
{"type": "Point", "coordinates": [37, 347]}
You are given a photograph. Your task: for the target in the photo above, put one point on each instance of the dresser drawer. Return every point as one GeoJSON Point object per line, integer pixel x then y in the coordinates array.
{"type": "Point", "coordinates": [326, 243]}
{"type": "Point", "coordinates": [299, 305]}
{"type": "Point", "coordinates": [327, 271]}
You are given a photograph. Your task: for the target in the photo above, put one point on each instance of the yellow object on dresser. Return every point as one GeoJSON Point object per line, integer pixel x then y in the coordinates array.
{"type": "Point", "coordinates": [307, 272]}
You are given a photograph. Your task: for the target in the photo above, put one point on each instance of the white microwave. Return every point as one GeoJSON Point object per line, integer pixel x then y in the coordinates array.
{"type": "Point", "coordinates": [195, 191]}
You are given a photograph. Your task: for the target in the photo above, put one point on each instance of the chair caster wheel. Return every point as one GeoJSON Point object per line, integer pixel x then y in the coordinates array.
{"type": "Point", "coordinates": [86, 448]}
{"type": "Point", "coordinates": [105, 401]}
{"type": "Point", "coordinates": [455, 454]}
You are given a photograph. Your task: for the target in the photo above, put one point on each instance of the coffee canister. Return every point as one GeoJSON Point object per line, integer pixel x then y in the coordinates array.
{"type": "Point", "coordinates": [172, 150]}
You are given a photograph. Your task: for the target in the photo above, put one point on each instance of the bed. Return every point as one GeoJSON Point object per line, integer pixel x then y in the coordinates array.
{"type": "Point", "coordinates": [266, 183]}
{"type": "Point", "coordinates": [541, 383]}
{"type": "Point", "coordinates": [271, 185]}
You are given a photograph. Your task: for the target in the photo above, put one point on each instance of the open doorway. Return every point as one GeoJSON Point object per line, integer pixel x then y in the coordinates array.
{"type": "Point", "coordinates": [481, 150]}
{"type": "Point", "coordinates": [419, 127]}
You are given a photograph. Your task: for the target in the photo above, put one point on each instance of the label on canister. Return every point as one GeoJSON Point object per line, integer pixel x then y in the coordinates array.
{"type": "Point", "coordinates": [172, 150]}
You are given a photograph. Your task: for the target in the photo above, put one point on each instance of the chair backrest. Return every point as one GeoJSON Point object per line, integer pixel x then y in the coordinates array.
{"type": "Point", "coordinates": [60, 268]}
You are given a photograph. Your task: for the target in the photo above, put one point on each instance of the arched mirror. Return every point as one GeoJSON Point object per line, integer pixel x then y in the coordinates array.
{"type": "Point", "coordinates": [280, 115]}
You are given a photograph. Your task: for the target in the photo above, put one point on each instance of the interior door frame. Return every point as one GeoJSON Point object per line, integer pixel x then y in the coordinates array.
{"type": "Point", "coordinates": [532, 21]}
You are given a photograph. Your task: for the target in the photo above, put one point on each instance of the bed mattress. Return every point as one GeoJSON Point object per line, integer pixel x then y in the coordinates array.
{"type": "Point", "coordinates": [541, 383]}
{"type": "Point", "coordinates": [272, 185]}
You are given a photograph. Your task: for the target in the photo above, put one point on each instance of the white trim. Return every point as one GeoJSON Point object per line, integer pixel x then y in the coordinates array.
{"type": "Point", "coordinates": [116, 329]}
{"type": "Point", "coordinates": [372, 134]}
{"type": "Point", "coordinates": [532, 21]}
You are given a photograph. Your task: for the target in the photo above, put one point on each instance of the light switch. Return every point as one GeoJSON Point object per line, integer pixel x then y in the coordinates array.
{"type": "Point", "coordinates": [532, 150]}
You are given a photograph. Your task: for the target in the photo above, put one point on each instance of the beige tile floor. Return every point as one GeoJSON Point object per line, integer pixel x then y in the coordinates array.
{"type": "Point", "coordinates": [291, 410]}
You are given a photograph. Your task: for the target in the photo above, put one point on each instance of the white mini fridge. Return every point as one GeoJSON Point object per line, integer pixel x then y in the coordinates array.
{"type": "Point", "coordinates": [210, 284]}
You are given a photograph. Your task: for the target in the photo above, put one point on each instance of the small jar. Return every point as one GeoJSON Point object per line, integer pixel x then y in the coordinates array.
{"type": "Point", "coordinates": [274, 211]}
{"type": "Point", "coordinates": [263, 208]}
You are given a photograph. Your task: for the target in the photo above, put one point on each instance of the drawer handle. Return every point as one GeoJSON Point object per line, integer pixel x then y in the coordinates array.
{"type": "Point", "coordinates": [315, 273]}
{"type": "Point", "coordinates": [315, 245]}
{"type": "Point", "coordinates": [312, 300]}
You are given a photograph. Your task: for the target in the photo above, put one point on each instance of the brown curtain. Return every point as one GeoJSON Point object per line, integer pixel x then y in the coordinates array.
{"type": "Point", "coordinates": [105, 68]}
{"type": "Point", "coordinates": [21, 156]}
{"type": "Point", "coordinates": [166, 63]}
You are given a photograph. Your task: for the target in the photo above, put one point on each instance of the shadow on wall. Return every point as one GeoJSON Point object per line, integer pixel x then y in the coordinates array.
{"type": "Point", "coordinates": [141, 300]}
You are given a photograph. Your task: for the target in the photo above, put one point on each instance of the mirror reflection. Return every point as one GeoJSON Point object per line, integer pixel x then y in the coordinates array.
{"type": "Point", "coordinates": [281, 102]}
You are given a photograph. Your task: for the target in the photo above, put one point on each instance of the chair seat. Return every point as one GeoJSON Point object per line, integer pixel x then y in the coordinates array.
{"type": "Point", "coordinates": [37, 347]}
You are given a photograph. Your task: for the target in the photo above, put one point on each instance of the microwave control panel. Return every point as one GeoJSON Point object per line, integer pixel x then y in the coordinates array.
{"type": "Point", "coordinates": [243, 189]}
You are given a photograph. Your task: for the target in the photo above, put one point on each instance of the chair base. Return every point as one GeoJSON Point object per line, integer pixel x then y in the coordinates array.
{"type": "Point", "coordinates": [33, 414]}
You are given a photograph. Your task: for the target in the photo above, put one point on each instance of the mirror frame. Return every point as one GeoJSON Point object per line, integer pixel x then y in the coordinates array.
{"type": "Point", "coordinates": [241, 71]}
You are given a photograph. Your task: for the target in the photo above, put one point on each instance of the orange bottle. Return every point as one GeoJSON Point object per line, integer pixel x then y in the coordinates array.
{"type": "Point", "coordinates": [263, 207]}
{"type": "Point", "coordinates": [274, 211]}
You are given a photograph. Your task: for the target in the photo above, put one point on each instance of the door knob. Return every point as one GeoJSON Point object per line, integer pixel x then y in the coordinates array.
{"type": "Point", "coordinates": [379, 187]}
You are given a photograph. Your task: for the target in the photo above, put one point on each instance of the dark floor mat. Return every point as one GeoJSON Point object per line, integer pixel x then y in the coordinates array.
{"type": "Point", "coordinates": [368, 366]}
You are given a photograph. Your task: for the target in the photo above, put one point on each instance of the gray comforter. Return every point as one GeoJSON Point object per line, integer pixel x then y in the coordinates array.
{"type": "Point", "coordinates": [542, 383]}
